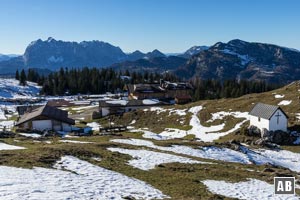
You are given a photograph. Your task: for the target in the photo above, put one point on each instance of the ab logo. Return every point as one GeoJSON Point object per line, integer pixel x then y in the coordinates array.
{"type": "Point", "coordinates": [284, 185]}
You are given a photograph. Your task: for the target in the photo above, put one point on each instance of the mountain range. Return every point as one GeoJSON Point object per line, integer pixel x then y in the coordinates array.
{"type": "Point", "coordinates": [235, 59]}
{"type": "Point", "coordinates": [238, 59]}
{"type": "Point", "coordinates": [7, 57]}
{"type": "Point", "coordinates": [53, 54]}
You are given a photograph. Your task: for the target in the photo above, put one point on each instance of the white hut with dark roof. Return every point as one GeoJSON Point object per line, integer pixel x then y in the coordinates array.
{"type": "Point", "coordinates": [269, 117]}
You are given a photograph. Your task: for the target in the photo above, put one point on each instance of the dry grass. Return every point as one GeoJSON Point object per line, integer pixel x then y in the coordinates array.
{"type": "Point", "coordinates": [172, 179]}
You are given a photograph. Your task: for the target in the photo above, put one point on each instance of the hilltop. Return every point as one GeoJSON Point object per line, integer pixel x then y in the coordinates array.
{"type": "Point", "coordinates": [158, 119]}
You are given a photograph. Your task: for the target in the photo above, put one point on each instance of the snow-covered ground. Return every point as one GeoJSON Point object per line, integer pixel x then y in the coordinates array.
{"type": "Point", "coordinates": [121, 102]}
{"type": "Point", "coordinates": [132, 122]}
{"type": "Point", "coordinates": [200, 131]}
{"type": "Point", "coordinates": [278, 96]}
{"type": "Point", "coordinates": [172, 111]}
{"type": "Point", "coordinates": [177, 112]}
{"type": "Point", "coordinates": [297, 115]}
{"type": "Point", "coordinates": [203, 133]}
{"type": "Point", "coordinates": [173, 133]}
{"type": "Point", "coordinates": [152, 135]}
{"type": "Point", "coordinates": [285, 102]}
{"type": "Point", "coordinates": [223, 154]}
{"type": "Point", "coordinates": [10, 88]}
{"type": "Point", "coordinates": [31, 135]}
{"type": "Point", "coordinates": [94, 125]}
{"type": "Point", "coordinates": [82, 180]}
{"type": "Point", "coordinates": [209, 134]}
{"type": "Point", "coordinates": [222, 114]}
{"type": "Point", "coordinates": [150, 101]}
{"type": "Point", "coordinates": [7, 124]}
{"type": "Point", "coordinates": [146, 160]}
{"type": "Point", "coordinates": [75, 141]}
{"type": "Point", "coordinates": [245, 59]}
{"type": "Point", "coordinates": [2, 115]}
{"type": "Point", "coordinates": [4, 146]}
{"type": "Point", "coordinates": [251, 189]}
{"type": "Point", "coordinates": [281, 158]}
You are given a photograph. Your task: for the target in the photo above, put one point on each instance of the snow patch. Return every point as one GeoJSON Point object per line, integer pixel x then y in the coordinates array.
{"type": "Point", "coordinates": [251, 189]}
{"type": "Point", "coordinates": [31, 135]}
{"type": "Point", "coordinates": [7, 124]}
{"type": "Point", "coordinates": [150, 101]}
{"type": "Point", "coordinates": [214, 153]}
{"type": "Point", "coordinates": [245, 59]}
{"type": "Point", "coordinates": [222, 114]}
{"type": "Point", "coordinates": [121, 102]}
{"type": "Point", "coordinates": [55, 59]}
{"type": "Point", "coordinates": [278, 96]}
{"type": "Point", "coordinates": [10, 88]}
{"type": "Point", "coordinates": [82, 180]}
{"type": "Point", "coordinates": [4, 146]}
{"type": "Point", "coordinates": [206, 134]}
{"type": "Point", "coordinates": [281, 158]}
{"type": "Point", "coordinates": [76, 141]}
{"type": "Point", "coordinates": [285, 102]}
{"type": "Point", "coordinates": [146, 160]}
{"type": "Point", "coordinates": [132, 122]}
{"type": "Point", "coordinates": [209, 134]}
{"type": "Point", "coordinates": [94, 125]}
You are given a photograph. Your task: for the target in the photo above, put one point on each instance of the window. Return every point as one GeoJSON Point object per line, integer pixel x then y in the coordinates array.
{"type": "Point", "coordinates": [259, 119]}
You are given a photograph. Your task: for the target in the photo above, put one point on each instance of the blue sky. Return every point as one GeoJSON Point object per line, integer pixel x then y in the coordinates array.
{"type": "Point", "coordinates": [168, 25]}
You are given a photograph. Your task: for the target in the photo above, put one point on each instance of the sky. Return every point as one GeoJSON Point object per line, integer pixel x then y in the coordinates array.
{"type": "Point", "coordinates": [172, 26]}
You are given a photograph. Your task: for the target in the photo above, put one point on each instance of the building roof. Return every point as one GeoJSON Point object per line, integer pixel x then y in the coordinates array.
{"type": "Point", "coordinates": [265, 111]}
{"type": "Point", "coordinates": [127, 103]}
{"type": "Point", "coordinates": [26, 108]}
{"type": "Point", "coordinates": [176, 86]}
{"type": "Point", "coordinates": [46, 111]}
{"type": "Point", "coordinates": [59, 103]}
{"type": "Point", "coordinates": [145, 88]}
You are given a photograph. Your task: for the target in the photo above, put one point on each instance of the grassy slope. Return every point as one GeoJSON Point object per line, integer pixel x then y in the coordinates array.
{"type": "Point", "coordinates": [158, 122]}
{"type": "Point", "coordinates": [180, 181]}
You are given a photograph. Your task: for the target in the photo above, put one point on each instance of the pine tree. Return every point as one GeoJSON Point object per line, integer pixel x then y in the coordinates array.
{"type": "Point", "coordinates": [17, 75]}
{"type": "Point", "coordinates": [23, 78]}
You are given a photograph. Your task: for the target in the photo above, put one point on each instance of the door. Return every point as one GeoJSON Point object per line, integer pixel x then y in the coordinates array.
{"type": "Point", "coordinates": [42, 124]}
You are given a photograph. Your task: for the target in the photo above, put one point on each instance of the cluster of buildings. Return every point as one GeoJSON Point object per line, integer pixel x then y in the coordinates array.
{"type": "Point", "coordinates": [146, 95]}
{"type": "Point", "coordinates": [140, 96]}
{"type": "Point", "coordinates": [178, 93]}
{"type": "Point", "coordinates": [48, 117]}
